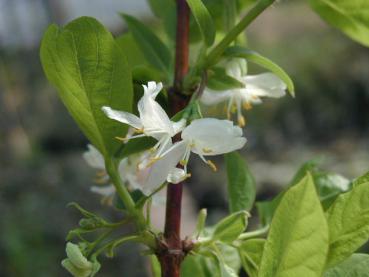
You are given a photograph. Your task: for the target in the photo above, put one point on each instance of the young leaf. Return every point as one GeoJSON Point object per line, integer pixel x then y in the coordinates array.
{"type": "Point", "coordinates": [348, 221]}
{"type": "Point", "coordinates": [351, 17]}
{"type": "Point", "coordinates": [219, 80]}
{"type": "Point", "coordinates": [241, 184]}
{"type": "Point", "coordinates": [229, 228]}
{"type": "Point", "coordinates": [251, 252]}
{"type": "Point", "coordinates": [355, 266]}
{"type": "Point", "coordinates": [252, 56]}
{"type": "Point", "coordinates": [151, 46]}
{"type": "Point", "coordinates": [89, 70]}
{"type": "Point", "coordinates": [297, 243]}
{"type": "Point", "coordinates": [203, 20]}
{"type": "Point", "coordinates": [328, 185]}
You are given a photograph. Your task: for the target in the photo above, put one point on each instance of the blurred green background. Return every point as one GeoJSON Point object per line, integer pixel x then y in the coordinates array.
{"type": "Point", "coordinates": [41, 167]}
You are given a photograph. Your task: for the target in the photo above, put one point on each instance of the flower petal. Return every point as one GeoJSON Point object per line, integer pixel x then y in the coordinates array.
{"type": "Point", "coordinates": [159, 171]}
{"type": "Point", "coordinates": [103, 190]}
{"type": "Point", "coordinates": [265, 84]}
{"type": "Point", "coordinates": [123, 117]}
{"type": "Point", "coordinates": [152, 89]}
{"type": "Point", "coordinates": [154, 119]}
{"type": "Point", "coordinates": [236, 68]}
{"type": "Point", "coordinates": [94, 158]}
{"type": "Point", "coordinates": [177, 175]}
{"type": "Point", "coordinates": [211, 136]}
{"type": "Point", "coordinates": [212, 97]}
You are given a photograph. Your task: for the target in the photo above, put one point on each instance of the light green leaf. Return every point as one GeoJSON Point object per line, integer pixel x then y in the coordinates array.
{"type": "Point", "coordinates": [328, 185]}
{"type": "Point", "coordinates": [166, 11]}
{"type": "Point", "coordinates": [355, 266]}
{"type": "Point", "coordinates": [155, 266]}
{"type": "Point", "coordinates": [219, 80]}
{"type": "Point", "coordinates": [89, 70]}
{"type": "Point", "coordinates": [199, 266]}
{"type": "Point", "coordinates": [200, 226]}
{"type": "Point", "coordinates": [151, 46]}
{"type": "Point", "coordinates": [251, 252]}
{"type": "Point", "coordinates": [135, 146]}
{"type": "Point", "coordinates": [297, 243]}
{"type": "Point", "coordinates": [361, 179]}
{"type": "Point", "coordinates": [131, 49]}
{"type": "Point", "coordinates": [348, 221]}
{"type": "Point", "coordinates": [230, 227]}
{"type": "Point", "coordinates": [241, 183]}
{"type": "Point", "coordinates": [203, 20]}
{"type": "Point", "coordinates": [350, 16]}
{"type": "Point", "coordinates": [252, 56]}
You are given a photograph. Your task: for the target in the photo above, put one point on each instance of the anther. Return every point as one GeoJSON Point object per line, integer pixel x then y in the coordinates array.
{"type": "Point", "coordinates": [212, 165]}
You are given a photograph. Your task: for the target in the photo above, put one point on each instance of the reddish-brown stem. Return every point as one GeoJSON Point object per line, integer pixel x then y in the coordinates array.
{"type": "Point", "coordinates": [170, 249]}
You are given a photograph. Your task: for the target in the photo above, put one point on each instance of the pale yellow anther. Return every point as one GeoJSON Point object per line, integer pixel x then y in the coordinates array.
{"type": "Point", "coordinates": [100, 180]}
{"type": "Point", "coordinates": [246, 105]}
{"type": "Point", "coordinates": [212, 165]}
{"type": "Point", "coordinates": [207, 150]}
{"type": "Point", "coordinates": [241, 121]}
{"type": "Point", "coordinates": [233, 108]}
{"type": "Point", "coordinates": [152, 149]}
{"type": "Point", "coordinates": [122, 139]}
{"type": "Point", "coordinates": [152, 161]}
{"type": "Point", "coordinates": [188, 175]}
{"type": "Point", "coordinates": [101, 173]}
{"type": "Point", "coordinates": [139, 131]}
{"type": "Point", "coordinates": [183, 162]}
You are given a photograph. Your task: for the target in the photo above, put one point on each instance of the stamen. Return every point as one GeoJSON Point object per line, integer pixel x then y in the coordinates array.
{"type": "Point", "coordinates": [100, 180]}
{"type": "Point", "coordinates": [125, 139]}
{"type": "Point", "coordinates": [152, 161]}
{"type": "Point", "coordinates": [207, 150]}
{"type": "Point", "coordinates": [241, 121]}
{"type": "Point", "coordinates": [183, 162]}
{"type": "Point", "coordinates": [212, 165]}
{"type": "Point", "coordinates": [246, 105]}
{"type": "Point", "coordinates": [101, 173]}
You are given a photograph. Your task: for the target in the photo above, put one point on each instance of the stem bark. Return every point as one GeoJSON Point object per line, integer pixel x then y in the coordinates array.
{"type": "Point", "coordinates": [171, 251]}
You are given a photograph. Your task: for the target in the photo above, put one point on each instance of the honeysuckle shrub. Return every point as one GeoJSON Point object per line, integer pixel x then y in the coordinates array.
{"type": "Point", "coordinates": [119, 91]}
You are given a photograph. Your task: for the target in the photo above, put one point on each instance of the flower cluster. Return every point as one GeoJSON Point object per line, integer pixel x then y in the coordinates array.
{"type": "Point", "coordinates": [168, 160]}
{"type": "Point", "coordinates": [204, 137]}
{"type": "Point", "coordinates": [254, 87]}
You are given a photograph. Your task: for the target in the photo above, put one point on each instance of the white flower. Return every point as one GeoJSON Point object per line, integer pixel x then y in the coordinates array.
{"type": "Point", "coordinates": [153, 120]}
{"type": "Point", "coordinates": [136, 171]}
{"type": "Point", "coordinates": [255, 87]}
{"type": "Point", "coordinates": [204, 137]}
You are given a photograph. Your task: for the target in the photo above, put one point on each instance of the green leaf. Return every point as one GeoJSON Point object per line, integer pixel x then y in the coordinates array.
{"type": "Point", "coordinates": [241, 184]}
{"type": "Point", "coordinates": [199, 266]}
{"type": "Point", "coordinates": [151, 46]}
{"type": "Point", "coordinates": [328, 185]}
{"type": "Point", "coordinates": [89, 70]}
{"type": "Point", "coordinates": [155, 266]}
{"type": "Point", "coordinates": [131, 49]}
{"type": "Point", "coordinates": [297, 243]}
{"type": "Point", "coordinates": [203, 20]}
{"type": "Point", "coordinates": [219, 80]}
{"type": "Point", "coordinates": [230, 227]}
{"type": "Point", "coordinates": [134, 146]}
{"type": "Point", "coordinates": [351, 17]}
{"type": "Point", "coordinates": [200, 225]}
{"type": "Point", "coordinates": [355, 266]}
{"type": "Point", "coordinates": [166, 11]}
{"type": "Point", "coordinates": [251, 252]}
{"type": "Point", "coordinates": [252, 56]}
{"type": "Point", "coordinates": [348, 221]}
{"type": "Point", "coordinates": [361, 179]}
